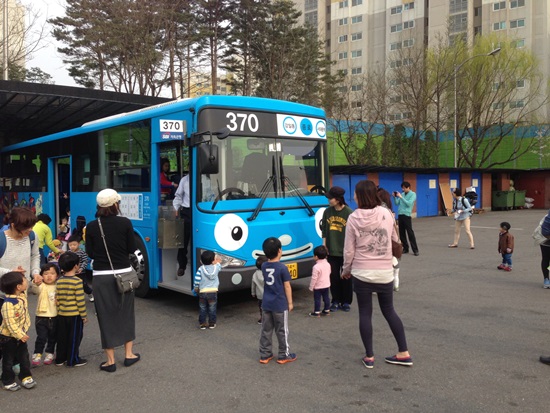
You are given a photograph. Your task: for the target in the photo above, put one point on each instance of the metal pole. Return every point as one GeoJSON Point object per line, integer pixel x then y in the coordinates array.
{"type": "Point", "coordinates": [456, 121]}
{"type": "Point", "coordinates": [5, 41]}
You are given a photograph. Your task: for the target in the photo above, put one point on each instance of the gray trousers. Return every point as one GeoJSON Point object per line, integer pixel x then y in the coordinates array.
{"type": "Point", "coordinates": [278, 322]}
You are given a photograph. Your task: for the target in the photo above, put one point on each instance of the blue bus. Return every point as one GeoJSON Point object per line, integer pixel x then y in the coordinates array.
{"type": "Point", "coordinates": [257, 168]}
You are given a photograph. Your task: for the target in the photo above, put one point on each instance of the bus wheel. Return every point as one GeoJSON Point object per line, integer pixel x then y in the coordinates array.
{"type": "Point", "coordinates": [140, 262]}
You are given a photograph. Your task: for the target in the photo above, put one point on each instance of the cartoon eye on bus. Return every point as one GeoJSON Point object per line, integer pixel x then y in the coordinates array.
{"type": "Point", "coordinates": [256, 168]}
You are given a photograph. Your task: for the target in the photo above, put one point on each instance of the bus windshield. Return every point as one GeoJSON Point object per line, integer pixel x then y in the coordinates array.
{"type": "Point", "coordinates": [256, 167]}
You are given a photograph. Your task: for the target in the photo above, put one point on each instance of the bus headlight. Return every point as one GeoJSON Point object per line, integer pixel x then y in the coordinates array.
{"type": "Point", "coordinates": [228, 261]}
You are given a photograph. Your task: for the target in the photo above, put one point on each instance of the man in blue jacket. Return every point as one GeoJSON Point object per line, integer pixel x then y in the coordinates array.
{"type": "Point", "coordinates": [405, 203]}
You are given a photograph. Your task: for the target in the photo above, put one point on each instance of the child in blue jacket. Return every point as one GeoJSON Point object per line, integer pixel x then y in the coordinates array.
{"type": "Point", "coordinates": [206, 284]}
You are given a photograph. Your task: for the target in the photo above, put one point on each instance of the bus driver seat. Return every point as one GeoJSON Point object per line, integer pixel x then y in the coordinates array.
{"type": "Point", "coordinates": [254, 173]}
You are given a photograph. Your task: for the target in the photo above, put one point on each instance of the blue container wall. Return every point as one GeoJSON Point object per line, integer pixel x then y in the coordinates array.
{"type": "Point", "coordinates": [391, 181]}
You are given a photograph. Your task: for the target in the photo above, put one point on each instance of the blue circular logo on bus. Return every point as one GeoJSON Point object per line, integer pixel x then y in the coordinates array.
{"type": "Point", "coordinates": [306, 127]}
{"type": "Point", "coordinates": [321, 129]}
{"type": "Point", "coordinates": [289, 125]}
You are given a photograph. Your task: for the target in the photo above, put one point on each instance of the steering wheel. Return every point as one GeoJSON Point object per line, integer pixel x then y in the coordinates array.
{"type": "Point", "coordinates": [227, 191]}
{"type": "Point", "coordinates": [319, 189]}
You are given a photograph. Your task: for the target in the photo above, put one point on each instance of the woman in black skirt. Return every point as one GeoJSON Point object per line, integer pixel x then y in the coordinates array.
{"type": "Point", "coordinates": [115, 312]}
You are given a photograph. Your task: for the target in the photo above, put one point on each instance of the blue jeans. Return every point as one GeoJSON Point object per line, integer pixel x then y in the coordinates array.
{"type": "Point", "coordinates": [207, 304]}
{"type": "Point", "coordinates": [507, 259]}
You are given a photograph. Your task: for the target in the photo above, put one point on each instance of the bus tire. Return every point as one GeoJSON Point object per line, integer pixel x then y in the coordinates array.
{"type": "Point", "coordinates": [142, 268]}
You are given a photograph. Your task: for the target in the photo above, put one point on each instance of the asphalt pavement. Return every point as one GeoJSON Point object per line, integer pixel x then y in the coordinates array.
{"type": "Point", "coordinates": [475, 334]}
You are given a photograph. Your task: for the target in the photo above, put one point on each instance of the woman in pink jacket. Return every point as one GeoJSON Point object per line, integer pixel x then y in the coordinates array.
{"type": "Point", "coordinates": [368, 261]}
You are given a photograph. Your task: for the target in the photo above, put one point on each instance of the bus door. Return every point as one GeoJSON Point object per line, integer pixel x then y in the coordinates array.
{"type": "Point", "coordinates": [62, 191]}
{"type": "Point", "coordinates": [170, 228]}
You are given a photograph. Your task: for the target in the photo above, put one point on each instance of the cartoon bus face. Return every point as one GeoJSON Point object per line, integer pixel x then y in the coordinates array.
{"type": "Point", "coordinates": [298, 233]}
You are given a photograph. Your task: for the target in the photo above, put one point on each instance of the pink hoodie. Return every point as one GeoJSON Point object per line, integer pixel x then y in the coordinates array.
{"type": "Point", "coordinates": [367, 245]}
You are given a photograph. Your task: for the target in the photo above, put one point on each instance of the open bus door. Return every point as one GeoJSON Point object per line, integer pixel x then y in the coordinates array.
{"type": "Point", "coordinates": [61, 191]}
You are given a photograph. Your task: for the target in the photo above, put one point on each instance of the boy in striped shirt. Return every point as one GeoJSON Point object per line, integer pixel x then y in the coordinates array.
{"type": "Point", "coordinates": [71, 312]}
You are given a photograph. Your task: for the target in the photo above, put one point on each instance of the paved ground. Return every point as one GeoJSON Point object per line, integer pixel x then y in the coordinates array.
{"type": "Point", "coordinates": [475, 334]}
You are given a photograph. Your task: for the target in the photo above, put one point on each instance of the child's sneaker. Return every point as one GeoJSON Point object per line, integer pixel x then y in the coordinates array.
{"type": "Point", "coordinates": [212, 326]}
{"type": "Point", "coordinates": [501, 267]}
{"type": "Point", "coordinates": [507, 269]}
{"type": "Point", "coordinates": [325, 312]}
{"type": "Point", "coordinates": [368, 362]}
{"type": "Point", "coordinates": [546, 283]}
{"type": "Point", "coordinates": [91, 298]}
{"type": "Point", "coordinates": [48, 359]}
{"type": "Point", "coordinates": [334, 307]}
{"type": "Point", "coordinates": [288, 359]}
{"type": "Point", "coordinates": [402, 361]}
{"type": "Point", "coordinates": [28, 382]}
{"type": "Point", "coordinates": [36, 359]}
{"type": "Point", "coordinates": [12, 387]}
{"type": "Point", "coordinates": [260, 321]}
{"type": "Point", "coordinates": [313, 314]}
{"type": "Point", "coordinates": [265, 360]}
{"type": "Point", "coordinates": [203, 326]}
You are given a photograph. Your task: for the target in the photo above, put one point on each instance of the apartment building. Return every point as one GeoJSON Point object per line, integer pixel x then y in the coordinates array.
{"type": "Point", "coordinates": [362, 34]}
{"type": "Point", "coordinates": [12, 34]}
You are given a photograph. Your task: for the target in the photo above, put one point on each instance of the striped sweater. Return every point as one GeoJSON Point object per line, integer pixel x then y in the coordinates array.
{"type": "Point", "coordinates": [70, 297]}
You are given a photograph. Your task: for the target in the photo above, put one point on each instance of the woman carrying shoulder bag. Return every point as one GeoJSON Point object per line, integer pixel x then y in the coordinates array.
{"type": "Point", "coordinates": [115, 312]}
{"type": "Point", "coordinates": [463, 211]}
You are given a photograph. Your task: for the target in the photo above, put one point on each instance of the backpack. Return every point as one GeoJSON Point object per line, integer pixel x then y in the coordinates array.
{"type": "Point", "coordinates": [538, 236]}
{"type": "Point", "coordinates": [3, 242]}
{"type": "Point", "coordinates": [471, 196]}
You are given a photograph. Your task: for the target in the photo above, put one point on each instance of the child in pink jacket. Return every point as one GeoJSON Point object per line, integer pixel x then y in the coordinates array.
{"type": "Point", "coordinates": [320, 282]}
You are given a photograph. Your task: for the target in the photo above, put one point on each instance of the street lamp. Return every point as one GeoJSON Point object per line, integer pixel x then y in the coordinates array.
{"type": "Point", "coordinates": [457, 68]}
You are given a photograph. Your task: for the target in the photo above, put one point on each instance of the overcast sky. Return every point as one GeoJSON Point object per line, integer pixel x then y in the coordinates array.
{"type": "Point", "coordinates": [48, 59]}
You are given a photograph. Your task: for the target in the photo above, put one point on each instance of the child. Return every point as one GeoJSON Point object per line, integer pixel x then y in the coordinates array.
{"type": "Point", "coordinates": [257, 287]}
{"type": "Point", "coordinates": [276, 304]}
{"type": "Point", "coordinates": [320, 281]}
{"type": "Point", "coordinates": [505, 246]}
{"type": "Point", "coordinates": [46, 314]}
{"type": "Point", "coordinates": [13, 332]}
{"type": "Point", "coordinates": [74, 246]}
{"type": "Point", "coordinates": [71, 312]}
{"type": "Point", "coordinates": [206, 284]}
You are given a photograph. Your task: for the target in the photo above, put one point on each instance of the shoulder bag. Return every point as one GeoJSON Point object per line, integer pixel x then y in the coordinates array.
{"type": "Point", "coordinates": [126, 282]}
{"type": "Point", "coordinates": [396, 246]}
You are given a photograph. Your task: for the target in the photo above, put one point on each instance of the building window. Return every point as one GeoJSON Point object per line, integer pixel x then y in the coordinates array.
{"type": "Point", "coordinates": [518, 44]}
{"type": "Point", "coordinates": [499, 26]}
{"type": "Point", "coordinates": [396, 28]}
{"type": "Point", "coordinates": [342, 55]}
{"type": "Point", "coordinates": [407, 61]}
{"type": "Point", "coordinates": [498, 105]}
{"type": "Point", "coordinates": [395, 46]}
{"type": "Point", "coordinates": [343, 22]}
{"type": "Point", "coordinates": [356, 19]}
{"type": "Point", "coordinates": [408, 43]}
{"type": "Point", "coordinates": [310, 5]}
{"type": "Point", "coordinates": [520, 84]}
{"type": "Point", "coordinates": [514, 24]}
{"type": "Point", "coordinates": [395, 99]}
{"type": "Point", "coordinates": [409, 6]}
{"type": "Point", "coordinates": [459, 22]}
{"type": "Point", "coordinates": [343, 38]}
{"type": "Point", "coordinates": [477, 11]}
{"type": "Point", "coordinates": [311, 18]}
{"type": "Point", "coordinates": [395, 64]}
{"type": "Point", "coordinates": [356, 36]}
{"type": "Point", "coordinates": [515, 104]}
{"type": "Point", "coordinates": [408, 25]}
{"type": "Point", "coordinates": [457, 6]}
{"type": "Point", "coordinates": [514, 4]}
{"type": "Point", "coordinates": [396, 10]}
{"type": "Point", "coordinates": [499, 5]}
{"type": "Point", "coordinates": [343, 4]}
{"type": "Point", "coordinates": [356, 2]}
{"type": "Point", "coordinates": [355, 88]}
{"type": "Point", "coordinates": [356, 104]}
{"type": "Point", "coordinates": [356, 70]}
{"type": "Point", "coordinates": [356, 53]}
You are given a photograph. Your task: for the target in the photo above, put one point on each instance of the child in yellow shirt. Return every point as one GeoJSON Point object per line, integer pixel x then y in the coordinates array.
{"type": "Point", "coordinates": [13, 332]}
{"type": "Point", "coordinates": [46, 314]}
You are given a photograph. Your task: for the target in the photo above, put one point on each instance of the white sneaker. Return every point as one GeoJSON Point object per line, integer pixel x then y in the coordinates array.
{"type": "Point", "coordinates": [48, 358]}
{"type": "Point", "coordinates": [12, 387]}
{"type": "Point", "coordinates": [28, 382]}
{"type": "Point", "coordinates": [91, 298]}
{"type": "Point", "coordinates": [36, 359]}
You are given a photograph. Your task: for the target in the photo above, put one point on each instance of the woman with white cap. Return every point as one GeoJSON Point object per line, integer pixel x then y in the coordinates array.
{"type": "Point", "coordinates": [115, 315]}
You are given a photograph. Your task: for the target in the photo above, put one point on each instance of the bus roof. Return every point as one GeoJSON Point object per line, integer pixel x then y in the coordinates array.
{"type": "Point", "coordinates": [238, 102]}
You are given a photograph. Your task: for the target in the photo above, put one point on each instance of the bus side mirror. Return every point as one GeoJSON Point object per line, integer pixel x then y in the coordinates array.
{"type": "Point", "coordinates": [208, 159]}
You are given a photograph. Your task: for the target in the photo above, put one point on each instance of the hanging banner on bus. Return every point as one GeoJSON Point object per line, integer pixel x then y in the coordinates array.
{"type": "Point", "coordinates": [172, 129]}
{"type": "Point", "coordinates": [249, 123]}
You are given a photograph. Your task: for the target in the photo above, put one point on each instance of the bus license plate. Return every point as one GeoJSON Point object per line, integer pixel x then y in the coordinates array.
{"type": "Point", "coordinates": [293, 270]}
